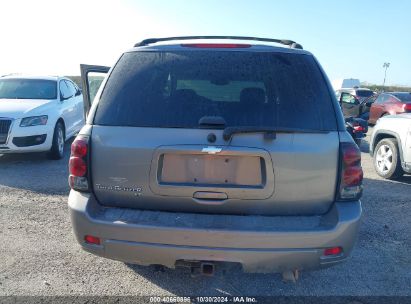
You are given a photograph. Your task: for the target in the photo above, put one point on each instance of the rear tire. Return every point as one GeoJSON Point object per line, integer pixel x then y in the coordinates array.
{"type": "Point", "coordinates": [387, 162]}
{"type": "Point", "coordinates": [57, 148]}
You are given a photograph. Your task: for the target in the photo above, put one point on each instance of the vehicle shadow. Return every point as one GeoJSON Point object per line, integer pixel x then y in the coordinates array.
{"type": "Point", "coordinates": [226, 282]}
{"type": "Point", "coordinates": [382, 240]}
{"type": "Point", "coordinates": [405, 179]}
{"type": "Point", "coordinates": [365, 146]}
{"type": "Point", "coordinates": [35, 172]}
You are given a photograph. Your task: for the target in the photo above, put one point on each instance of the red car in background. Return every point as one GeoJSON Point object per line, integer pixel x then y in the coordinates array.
{"type": "Point", "coordinates": [390, 103]}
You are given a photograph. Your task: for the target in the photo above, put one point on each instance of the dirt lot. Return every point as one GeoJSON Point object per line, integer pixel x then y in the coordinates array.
{"type": "Point", "coordinates": [39, 255]}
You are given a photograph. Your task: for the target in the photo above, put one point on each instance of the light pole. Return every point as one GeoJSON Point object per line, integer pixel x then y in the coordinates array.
{"type": "Point", "coordinates": [386, 65]}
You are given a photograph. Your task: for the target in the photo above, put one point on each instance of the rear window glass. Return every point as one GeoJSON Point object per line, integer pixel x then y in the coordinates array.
{"type": "Point", "coordinates": [228, 92]}
{"type": "Point", "coordinates": [364, 93]}
{"type": "Point", "coordinates": [177, 89]}
{"type": "Point", "coordinates": [404, 97]}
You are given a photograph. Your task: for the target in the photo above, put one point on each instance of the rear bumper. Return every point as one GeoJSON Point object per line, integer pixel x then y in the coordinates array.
{"type": "Point", "coordinates": [261, 244]}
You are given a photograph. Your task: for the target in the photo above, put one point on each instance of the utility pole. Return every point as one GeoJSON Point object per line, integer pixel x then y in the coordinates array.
{"type": "Point", "coordinates": [386, 65]}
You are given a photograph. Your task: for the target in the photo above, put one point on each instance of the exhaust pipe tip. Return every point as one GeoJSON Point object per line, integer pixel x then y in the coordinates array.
{"type": "Point", "coordinates": [207, 269]}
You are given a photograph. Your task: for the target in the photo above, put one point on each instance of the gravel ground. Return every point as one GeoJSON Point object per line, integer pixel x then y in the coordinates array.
{"type": "Point", "coordinates": [39, 255]}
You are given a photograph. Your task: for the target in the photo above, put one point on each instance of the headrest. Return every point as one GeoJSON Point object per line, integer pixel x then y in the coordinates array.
{"type": "Point", "coordinates": [252, 96]}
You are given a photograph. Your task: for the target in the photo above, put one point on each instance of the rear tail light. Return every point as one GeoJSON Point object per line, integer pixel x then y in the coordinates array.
{"type": "Point", "coordinates": [407, 107]}
{"type": "Point", "coordinates": [351, 172]}
{"type": "Point", "coordinates": [359, 129]}
{"type": "Point", "coordinates": [79, 147]}
{"type": "Point", "coordinates": [78, 164]}
{"type": "Point", "coordinates": [89, 239]}
{"type": "Point", "coordinates": [216, 45]}
{"type": "Point", "coordinates": [332, 251]}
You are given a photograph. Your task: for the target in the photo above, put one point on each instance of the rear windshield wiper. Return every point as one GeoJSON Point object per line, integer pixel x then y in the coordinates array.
{"type": "Point", "coordinates": [270, 132]}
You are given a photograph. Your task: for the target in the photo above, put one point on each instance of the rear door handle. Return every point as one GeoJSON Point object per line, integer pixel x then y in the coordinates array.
{"type": "Point", "coordinates": [209, 195]}
{"type": "Point", "coordinates": [210, 198]}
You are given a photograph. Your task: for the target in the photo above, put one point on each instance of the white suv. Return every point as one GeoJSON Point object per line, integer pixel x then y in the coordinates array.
{"type": "Point", "coordinates": [390, 145]}
{"type": "Point", "coordinates": [38, 114]}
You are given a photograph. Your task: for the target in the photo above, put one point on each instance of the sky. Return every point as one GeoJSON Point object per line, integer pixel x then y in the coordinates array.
{"type": "Point", "coordinates": [350, 38]}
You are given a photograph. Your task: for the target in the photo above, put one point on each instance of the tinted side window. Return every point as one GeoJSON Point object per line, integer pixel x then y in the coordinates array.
{"type": "Point", "coordinates": [379, 98]}
{"type": "Point", "coordinates": [385, 98]}
{"type": "Point", "coordinates": [364, 93]}
{"type": "Point", "coordinates": [348, 98]}
{"type": "Point", "coordinates": [71, 88]}
{"type": "Point", "coordinates": [64, 90]}
{"type": "Point", "coordinates": [177, 89]}
{"type": "Point", "coordinates": [389, 98]}
{"type": "Point", "coordinates": [403, 97]}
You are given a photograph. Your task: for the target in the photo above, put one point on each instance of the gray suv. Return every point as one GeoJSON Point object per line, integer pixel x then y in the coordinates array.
{"type": "Point", "coordinates": [199, 154]}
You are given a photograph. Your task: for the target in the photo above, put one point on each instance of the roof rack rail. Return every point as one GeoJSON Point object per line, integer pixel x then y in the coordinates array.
{"type": "Point", "coordinates": [290, 43]}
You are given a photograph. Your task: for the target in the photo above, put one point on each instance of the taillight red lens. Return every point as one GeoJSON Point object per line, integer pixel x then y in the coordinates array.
{"type": "Point", "coordinates": [216, 45]}
{"type": "Point", "coordinates": [333, 251]}
{"type": "Point", "coordinates": [352, 176]}
{"type": "Point", "coordinates": [92, 240]}
{"type": "Point", "coordinates": [351, 154]}
{"type": "Point", "coordinates": [407, 107]}
{"type": "Point", "coordinates": [79, 148]}
{"type": "Point", "coordinates": [351, 172]}
{"type": "Point", "coordinates": [359, 129]}
{"type": "Point", "coordinates": [77, 166]}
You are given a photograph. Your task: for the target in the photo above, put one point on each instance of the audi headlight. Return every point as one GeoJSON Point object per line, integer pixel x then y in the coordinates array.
{"type": "Point", "coordinates": [34, 121]}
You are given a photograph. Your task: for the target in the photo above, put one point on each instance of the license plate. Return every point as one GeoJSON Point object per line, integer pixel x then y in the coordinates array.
{"type": "Point", "coordinates": [211, 169]}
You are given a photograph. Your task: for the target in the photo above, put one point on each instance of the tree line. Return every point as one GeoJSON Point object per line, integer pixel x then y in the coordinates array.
{"type": "Point", "coordinates": [380, 88]}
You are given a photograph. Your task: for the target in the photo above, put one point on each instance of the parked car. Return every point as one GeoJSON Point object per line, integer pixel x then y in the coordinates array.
{"type": "Point", "coordinates": [196, 154]}
{"type": "Point", "coordinates": [356, 102]}
{"type": "Point", "coordinates": [38, 114]}
{"type": "Point", "coordinates": [390, 103]}
{"type": "Point", "coordinates": [357, 128]}
{"type": "Point", "coordinates": [390, 146]}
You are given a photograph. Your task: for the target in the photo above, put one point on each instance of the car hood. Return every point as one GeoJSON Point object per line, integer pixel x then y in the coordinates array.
{"type": "Point", "coordinates": [19, 108]}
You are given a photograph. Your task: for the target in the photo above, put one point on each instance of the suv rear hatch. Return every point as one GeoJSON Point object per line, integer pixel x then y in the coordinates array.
{"type": "Point", "coordinates": [216, 131]}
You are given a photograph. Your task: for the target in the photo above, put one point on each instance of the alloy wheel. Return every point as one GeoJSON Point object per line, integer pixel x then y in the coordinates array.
{"type": "Point", "coordinates": [384, 159]}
